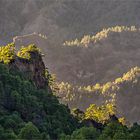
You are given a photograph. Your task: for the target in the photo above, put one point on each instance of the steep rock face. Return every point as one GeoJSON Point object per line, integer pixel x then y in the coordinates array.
{"type": "Point", "coordinates": [34, 68]}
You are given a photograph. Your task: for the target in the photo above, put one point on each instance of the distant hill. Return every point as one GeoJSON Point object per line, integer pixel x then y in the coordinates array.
{"type": "Point", "coordinates": [66, 18]}
{"type": "Point", "coordinates": [115, 51]}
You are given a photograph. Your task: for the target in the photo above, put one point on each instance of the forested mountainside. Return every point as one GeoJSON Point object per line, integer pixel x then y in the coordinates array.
{"type": "Point", "coordinates": [29, 109]}
{"type": "Point", "coordinates": [72, 70]}
{"type": "Point", "coordinates": [68, 18]}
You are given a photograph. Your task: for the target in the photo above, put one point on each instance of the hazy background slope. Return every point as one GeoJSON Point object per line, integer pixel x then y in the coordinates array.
{"type": "Point", "coordinates": [65, 18]}
{"type": "Point", "coordinates": [99, 62]}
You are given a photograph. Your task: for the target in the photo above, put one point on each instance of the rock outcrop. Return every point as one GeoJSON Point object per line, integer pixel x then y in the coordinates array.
{"type": "Point", "coordinates": [34, 68]}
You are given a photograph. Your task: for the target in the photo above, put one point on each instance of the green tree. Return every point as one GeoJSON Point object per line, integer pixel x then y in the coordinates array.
{"type": "Point", "coordinates": [29, 132]}
{"type": "Point", "coordinates": [89, 133]}
{"type": "Point", "coordinates": [135, 131]}
{"type": "Point", "coordinates": [114, 131]}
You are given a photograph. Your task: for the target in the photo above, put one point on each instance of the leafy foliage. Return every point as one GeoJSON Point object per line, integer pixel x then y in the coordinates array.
{"type": "Point", "coordinates": [7, 53]}
{"type": "Point", "coordinates": [89, 133]}
{"type": "Point", "coordinates": [114, 131]}
{"type": "Point", "coordinates": [24, 109]}
{"type": "Point", "coordinates": [52, 81]}
{"type": "Point", "coordinates": [100, 113]}
{"type": "Point", "coordinates": [29, 131]}
{"type": "Point", "coordinates": [82, 96]}
{"type": "Point", "coordinates": [25, 51]}
{"type": "Point", "coordinates": [87, 39]}
{"type": "Point", "coordinates": [111, 131]}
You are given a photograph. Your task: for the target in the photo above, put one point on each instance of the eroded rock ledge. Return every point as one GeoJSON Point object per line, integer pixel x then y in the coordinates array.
{"type": "Point", "coordinates": [34, 68]}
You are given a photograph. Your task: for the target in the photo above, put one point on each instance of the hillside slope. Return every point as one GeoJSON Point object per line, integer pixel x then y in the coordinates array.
{"type": "Point", "coordinates": [122, 92]}
{"type": "Point", "coordinates": [28, 108]}
{"type": "Point", "coordinates": [92, 59]}
{"type": "Point", "coordinates": [68, 18]}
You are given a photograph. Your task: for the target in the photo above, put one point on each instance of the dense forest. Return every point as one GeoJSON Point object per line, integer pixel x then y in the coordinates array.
{"type": "Point", "coordinates": [31, 111]}
{"type": "Point", "coordinates": [26, 111]}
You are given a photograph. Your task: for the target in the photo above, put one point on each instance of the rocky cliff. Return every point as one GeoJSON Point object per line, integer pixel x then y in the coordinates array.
{"type": "Point", "coordinates": [33, 68]}
{"type": "Point", "coordinates": [27, 61]}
